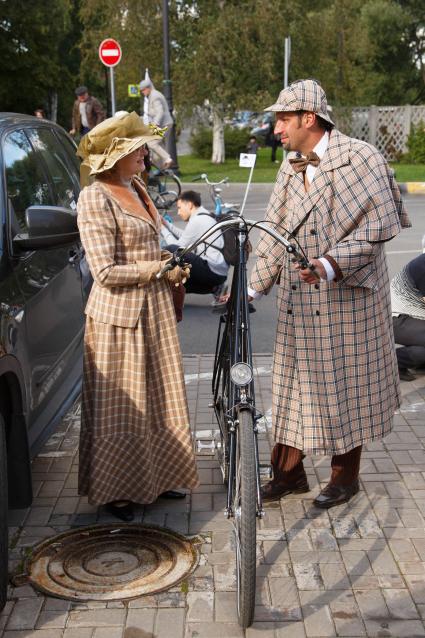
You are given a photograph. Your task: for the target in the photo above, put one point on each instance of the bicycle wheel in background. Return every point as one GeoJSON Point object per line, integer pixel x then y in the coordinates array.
{"type": "Point", "coordinates": [245, 517]}
{"type": "Point", "coordinates": [164, 188]}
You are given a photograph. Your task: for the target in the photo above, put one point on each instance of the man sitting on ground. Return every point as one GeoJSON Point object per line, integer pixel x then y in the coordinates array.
{"type": "Point", "coordinates": [209, 268]}
{"type": "Point", "coordinates": [408, 306]}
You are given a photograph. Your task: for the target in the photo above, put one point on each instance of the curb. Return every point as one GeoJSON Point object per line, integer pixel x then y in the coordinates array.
{"type": "Point", "coordinates": [412, 188]}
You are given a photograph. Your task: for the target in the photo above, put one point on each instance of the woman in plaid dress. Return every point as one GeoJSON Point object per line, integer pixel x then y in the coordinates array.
{"type": "Point", "coordinates": [135, 442]}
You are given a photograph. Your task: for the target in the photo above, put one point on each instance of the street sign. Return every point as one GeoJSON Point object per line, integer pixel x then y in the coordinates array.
{"type": "Point", "coordinates": [109, 52]}
{"type": "Point", "coordinates": [133, 90]}
{"type": "Point", "coordinates": [247, 160]}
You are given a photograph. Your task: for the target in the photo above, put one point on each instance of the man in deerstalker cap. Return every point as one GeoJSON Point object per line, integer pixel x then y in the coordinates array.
{"type": "Point", "coordinates": [335, 382]}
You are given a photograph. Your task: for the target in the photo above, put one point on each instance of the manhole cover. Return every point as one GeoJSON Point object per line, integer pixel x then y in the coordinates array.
{"type": "Point", "coordinates": [110, 562]}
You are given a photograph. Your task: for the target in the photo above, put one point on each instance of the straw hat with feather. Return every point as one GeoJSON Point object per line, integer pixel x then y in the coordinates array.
{"type": "Point", "coordinates": [114, 138]}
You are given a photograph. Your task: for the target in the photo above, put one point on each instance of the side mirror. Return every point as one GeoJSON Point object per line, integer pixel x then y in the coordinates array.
{"type": "Point", "coordinates": [48, 227]}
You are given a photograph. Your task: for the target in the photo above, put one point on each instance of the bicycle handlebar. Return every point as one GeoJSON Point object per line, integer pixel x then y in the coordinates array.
{"type": "Point", "coordinates": [204, 176]}
{"type": "Point", "coordinates": [240, 222]}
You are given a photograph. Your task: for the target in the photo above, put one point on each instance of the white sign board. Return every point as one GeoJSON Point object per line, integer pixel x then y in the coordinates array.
{"type": "Point", "coordinates": [247, 160]}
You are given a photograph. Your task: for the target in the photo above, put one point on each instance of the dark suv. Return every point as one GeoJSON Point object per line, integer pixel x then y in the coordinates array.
{"type": "Point", "coordinates": [43, 286]}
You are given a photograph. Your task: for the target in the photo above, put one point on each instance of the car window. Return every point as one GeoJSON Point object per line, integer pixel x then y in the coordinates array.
{"type": "Point", "coordinates": [25, 180]}
{"type": "Point", "coordinates": [64, 186]}
{"type": "Point", "coordinates": [71, 153]}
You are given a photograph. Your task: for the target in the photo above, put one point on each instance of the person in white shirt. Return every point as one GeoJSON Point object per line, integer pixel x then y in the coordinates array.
{"type": "Point", "coordinates": [209, 268]}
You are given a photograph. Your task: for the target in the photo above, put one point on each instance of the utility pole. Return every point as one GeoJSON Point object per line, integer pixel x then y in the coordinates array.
{"type": "Point", "coordinates": [287, 61]}
{"type": "Point", "coordinates": [168, 93]}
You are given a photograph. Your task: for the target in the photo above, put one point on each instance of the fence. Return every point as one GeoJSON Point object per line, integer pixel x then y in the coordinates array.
{"type": "Point", "coordinates": [386, 127]}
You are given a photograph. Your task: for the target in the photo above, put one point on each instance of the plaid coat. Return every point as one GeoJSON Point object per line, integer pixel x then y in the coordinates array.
{"type": "Point", "coordinates": [335, 379]}
{"type": "Point", "coordinates": [135, 440]}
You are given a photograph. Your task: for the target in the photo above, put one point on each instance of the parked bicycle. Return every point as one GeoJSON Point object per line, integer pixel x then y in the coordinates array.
{"type": "Point", "coordinates": [235, 409]}
{"type": "Point", "coordinates": [220, 207]}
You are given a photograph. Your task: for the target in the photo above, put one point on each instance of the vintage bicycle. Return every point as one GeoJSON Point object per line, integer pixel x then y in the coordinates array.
{"type": "Point", "coordinates": [233, 390]}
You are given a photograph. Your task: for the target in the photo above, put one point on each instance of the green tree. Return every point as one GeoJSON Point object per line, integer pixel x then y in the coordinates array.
{"type": "Point", "coordinates": [137, 26]}
{"type": "Point", "coordinates": [33, 72]}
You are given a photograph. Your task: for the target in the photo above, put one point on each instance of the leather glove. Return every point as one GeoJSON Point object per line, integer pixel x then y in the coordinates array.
{"type": "Point", "coordinates": [148, 270]}
{"type": "Point", "coordinates": [166, 255]}
{"type": "Point", "coordinates": [179, 275]}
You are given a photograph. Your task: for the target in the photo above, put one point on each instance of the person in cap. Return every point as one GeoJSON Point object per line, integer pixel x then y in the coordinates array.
{"type": "Point", "coordinates": [335, 384]}
{"type": "Point", "coordinates": [158, 114]}
{"type": "Point", "coordinates": [87, 112]}
{"type": "Point", "coordinates": [135, 442]}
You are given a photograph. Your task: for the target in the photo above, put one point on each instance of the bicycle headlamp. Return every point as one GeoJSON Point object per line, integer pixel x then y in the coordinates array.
{"type": "Point", "coordinates": [241, 374]}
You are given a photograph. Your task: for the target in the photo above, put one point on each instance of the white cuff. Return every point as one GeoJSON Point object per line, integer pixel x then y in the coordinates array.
{"type": "Point", "coordinates": [254, 294]}
{"type": "Point", "coordinates": [330, 272]}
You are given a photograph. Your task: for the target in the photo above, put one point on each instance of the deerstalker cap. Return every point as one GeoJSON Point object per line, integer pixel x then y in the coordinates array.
{"type": "Point", "coordinates": [303, 95]}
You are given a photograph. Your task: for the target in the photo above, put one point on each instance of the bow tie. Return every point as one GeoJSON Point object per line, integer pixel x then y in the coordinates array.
{"type": "Point", "coordinates": [299, 164]}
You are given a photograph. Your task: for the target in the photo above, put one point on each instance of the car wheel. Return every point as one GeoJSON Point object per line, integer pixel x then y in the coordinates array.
{"type": "Point", "coordinates": [3, 516]}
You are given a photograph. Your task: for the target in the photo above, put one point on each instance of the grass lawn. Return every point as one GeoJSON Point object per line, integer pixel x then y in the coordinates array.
{"type": "Point", "coordinates": [265, 170]}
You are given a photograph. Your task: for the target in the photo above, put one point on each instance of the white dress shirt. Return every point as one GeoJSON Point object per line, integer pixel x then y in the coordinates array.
{"type": "Point", "coordinates": [197, 225]}
{"type": "Point", "coordinates": [83, 114]}
{"type": "Point", "coordinates": [320, 150]}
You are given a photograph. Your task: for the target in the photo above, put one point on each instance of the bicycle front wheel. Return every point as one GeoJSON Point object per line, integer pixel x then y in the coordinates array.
{"type": "Point", "coordinates": [245, 517]}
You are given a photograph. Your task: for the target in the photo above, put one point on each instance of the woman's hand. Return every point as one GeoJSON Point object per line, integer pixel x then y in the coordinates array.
{"type": "Point", "coordinates": [179, 275]}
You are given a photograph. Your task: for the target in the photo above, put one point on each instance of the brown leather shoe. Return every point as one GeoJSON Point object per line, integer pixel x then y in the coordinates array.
{"type": "Point", "coordinates": [274, 491]}
{"type": "Point", "coordinates": [332, 495]}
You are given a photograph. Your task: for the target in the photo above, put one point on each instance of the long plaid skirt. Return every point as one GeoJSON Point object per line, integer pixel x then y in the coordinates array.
{"type": "Point", "coordinates": [135, 440]}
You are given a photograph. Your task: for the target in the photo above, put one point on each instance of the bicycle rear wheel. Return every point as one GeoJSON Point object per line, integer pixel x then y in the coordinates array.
{"type": "Point", "coordinates": [245, 517]}
{"type": "Point", "coordinates": [164, 189]}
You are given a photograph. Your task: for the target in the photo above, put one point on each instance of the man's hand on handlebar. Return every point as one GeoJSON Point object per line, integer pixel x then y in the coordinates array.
{"type": "Point", "coordinates": [307, 275]}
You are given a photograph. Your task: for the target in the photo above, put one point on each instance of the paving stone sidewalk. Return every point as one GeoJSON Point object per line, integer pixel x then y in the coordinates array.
{"type": "Point", "coordinates": [357, 570]}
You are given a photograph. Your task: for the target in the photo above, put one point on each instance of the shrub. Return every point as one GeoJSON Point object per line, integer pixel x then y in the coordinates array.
{"type": "Point", "coordinates": [235, 141]}
{"type": "Point", "coordinates": [201, 143]}
{"type": "Point", "coordinates": [416, 144]}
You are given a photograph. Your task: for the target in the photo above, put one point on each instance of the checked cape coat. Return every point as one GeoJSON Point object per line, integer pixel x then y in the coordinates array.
{"type": "Point", "coordinates": [135, 440]}
{"type": "Point", "coordinates": [335, 381]}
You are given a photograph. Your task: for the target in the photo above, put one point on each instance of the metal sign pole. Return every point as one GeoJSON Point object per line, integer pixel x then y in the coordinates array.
{"type": "Point", "coordinates": [112, 87]}
{"type": "Point", "coordinates": [287, 60]}
{"type": "Point", "coordinates": [247, 189]}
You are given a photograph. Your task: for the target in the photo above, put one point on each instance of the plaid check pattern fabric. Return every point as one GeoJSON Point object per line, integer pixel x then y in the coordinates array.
{"type": "Point", "coordinates": [135, 440]}
{"type": "Point", "coordinates": [335, 380]}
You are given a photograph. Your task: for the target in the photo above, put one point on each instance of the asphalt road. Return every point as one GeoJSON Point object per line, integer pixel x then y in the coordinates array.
{"type": "Point", "coordinates": [199, 326]}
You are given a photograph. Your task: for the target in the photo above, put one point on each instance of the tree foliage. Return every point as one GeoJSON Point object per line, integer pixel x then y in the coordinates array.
{"type": "Point", "coordinates": [34, 38]}
{"type": "Point", "coordinates": [229, 52]}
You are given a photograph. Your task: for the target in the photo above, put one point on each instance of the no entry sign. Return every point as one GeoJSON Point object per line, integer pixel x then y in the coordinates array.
{"type": "Point", "coordinates": [109, 52]}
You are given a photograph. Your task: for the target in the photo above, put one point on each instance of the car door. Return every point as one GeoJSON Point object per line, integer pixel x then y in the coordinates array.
{"type": "Point", "coordinates": [50, 280]}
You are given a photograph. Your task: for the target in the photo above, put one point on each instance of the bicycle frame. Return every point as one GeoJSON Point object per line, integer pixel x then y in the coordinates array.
{"type": "Point", "coordinates": [234, 346]}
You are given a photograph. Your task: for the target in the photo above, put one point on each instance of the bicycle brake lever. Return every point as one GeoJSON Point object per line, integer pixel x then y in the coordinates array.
{"type": "Point", "coordinates": [176, 260]}
{"type": "Point", "coordinates": [300, 259]}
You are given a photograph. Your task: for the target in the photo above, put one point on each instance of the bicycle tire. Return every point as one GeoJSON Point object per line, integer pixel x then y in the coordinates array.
{"type": "Point", "coordinates": [164, 189]}
{"type": "Point", "coordinates": [245, 511]}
